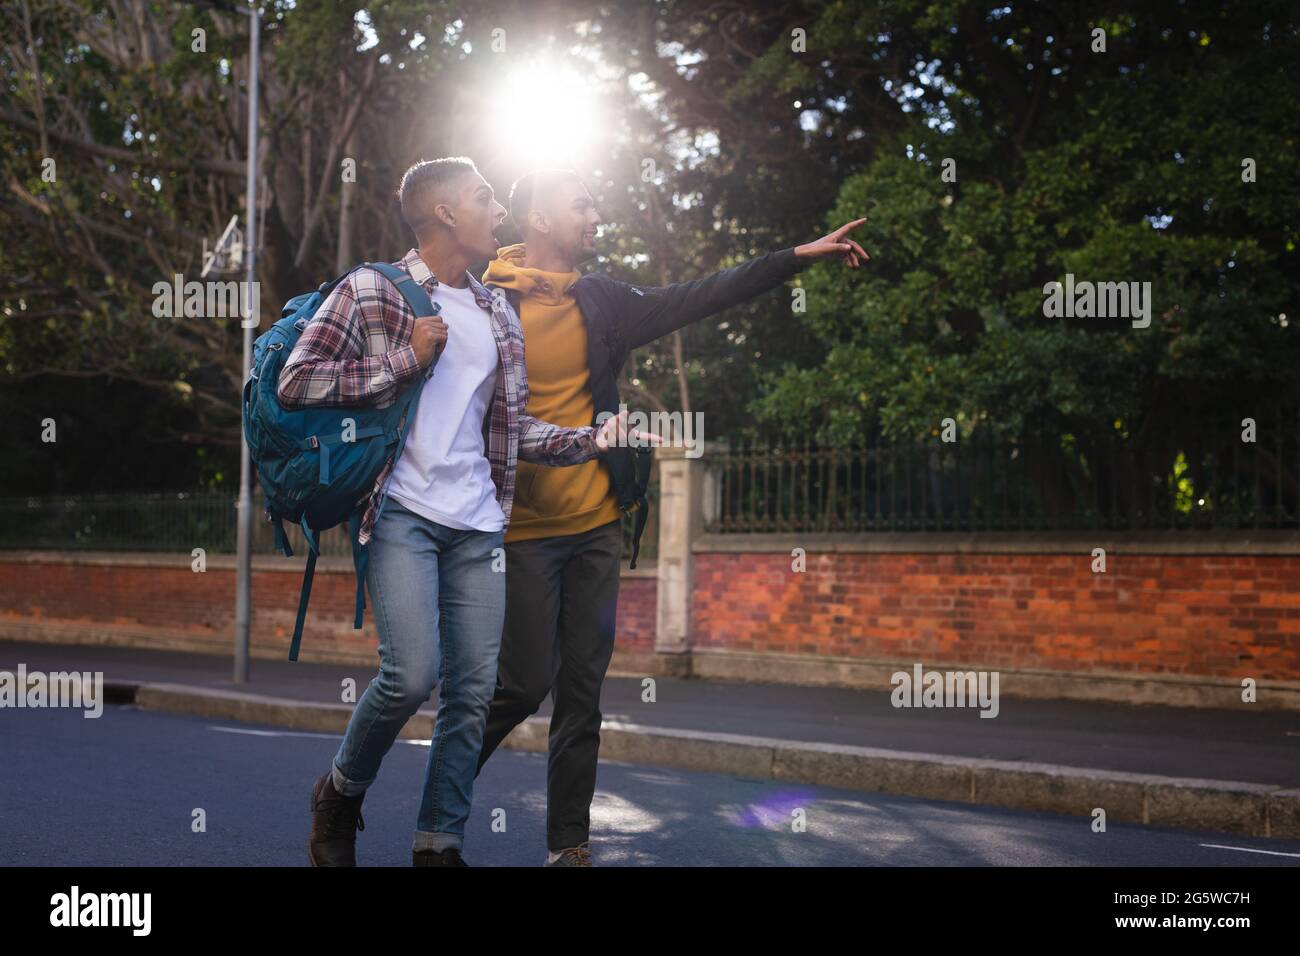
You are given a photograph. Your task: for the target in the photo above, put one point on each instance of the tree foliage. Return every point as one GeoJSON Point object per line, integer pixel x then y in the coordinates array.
{"type": "Point", "coordinates": [767, 123]}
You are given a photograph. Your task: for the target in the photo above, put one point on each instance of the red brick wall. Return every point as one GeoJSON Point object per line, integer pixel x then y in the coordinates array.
{"type": "Point", "coordinates": [1220, 616]}
{"type": "Point", "coordinates": [178, 608]}
{"type": "Point", "coordinates": [1196, 615]}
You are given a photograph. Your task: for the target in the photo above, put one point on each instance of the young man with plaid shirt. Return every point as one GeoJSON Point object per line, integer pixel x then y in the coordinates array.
{"type": "Point", "coordinates": [435, 518]}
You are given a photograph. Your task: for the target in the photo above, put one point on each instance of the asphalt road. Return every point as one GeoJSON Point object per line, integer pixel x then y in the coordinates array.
{"type": "Point", "coordinates": [121, 789]}
{"type": "Point", "coordinates": [1254, 746]}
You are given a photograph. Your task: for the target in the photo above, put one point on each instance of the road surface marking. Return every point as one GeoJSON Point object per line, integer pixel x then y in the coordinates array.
{"type": "Point", "coordinates": [270, 733]}
{"type": "Point", "coordinates": [1246, 849]}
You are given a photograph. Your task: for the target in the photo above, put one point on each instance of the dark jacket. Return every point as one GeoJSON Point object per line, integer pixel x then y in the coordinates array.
{"type": "Point", "coordinates": [620, 316]}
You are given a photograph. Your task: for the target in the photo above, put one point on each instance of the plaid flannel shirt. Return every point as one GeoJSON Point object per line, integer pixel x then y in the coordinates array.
{"type": "Point", "coordinates": [356, 351]}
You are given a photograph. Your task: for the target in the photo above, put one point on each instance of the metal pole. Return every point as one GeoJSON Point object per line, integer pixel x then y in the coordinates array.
{"type": "Point", "coordinates": [244, 543]}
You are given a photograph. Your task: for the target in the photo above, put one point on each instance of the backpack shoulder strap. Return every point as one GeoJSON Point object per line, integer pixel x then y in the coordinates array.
{"type": "Point", "coordinates": [643, 463]}
{"type": "Point", "coordinates": [422, 305]}
{"type": "Point", "coordinates": [411, 290]}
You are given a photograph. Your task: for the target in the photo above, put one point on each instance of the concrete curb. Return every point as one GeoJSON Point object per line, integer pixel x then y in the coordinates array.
{"type": "Point", "coordinates": [1247, 809]}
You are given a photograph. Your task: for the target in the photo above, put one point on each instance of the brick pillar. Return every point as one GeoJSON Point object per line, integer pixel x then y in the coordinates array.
{"type": "Point", "coordinates": [686, 490]}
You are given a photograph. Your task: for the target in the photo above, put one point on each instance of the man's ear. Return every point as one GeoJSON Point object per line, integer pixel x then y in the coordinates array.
{"type": "Point", "coordinates": [538, 222]}
{"type": "Point", "coordinates": [442, 212]}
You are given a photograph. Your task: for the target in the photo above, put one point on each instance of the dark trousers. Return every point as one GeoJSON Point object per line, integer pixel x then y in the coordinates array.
{"type": "Point", "coordinates": [561, 600]}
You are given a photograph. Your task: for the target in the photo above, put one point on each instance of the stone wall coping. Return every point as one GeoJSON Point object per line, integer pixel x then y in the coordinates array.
{"type": "Point", "coordinates": [326, 564]}
{"type": "Point", "coordinates": [884, 542]}
{"type": "Point", "coordinates": [1027, 542]}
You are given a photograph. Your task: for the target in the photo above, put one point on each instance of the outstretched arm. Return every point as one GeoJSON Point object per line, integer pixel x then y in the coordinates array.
{"type": "Point", "coordinates": [652, 312]}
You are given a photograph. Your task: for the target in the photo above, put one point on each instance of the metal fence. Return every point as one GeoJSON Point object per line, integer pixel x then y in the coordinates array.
{"type": "Point", "coordinates": [159, 521]}
{"type": "Point", "coordinates": [1205, 479]}
{"type": "Point", "coordinates": [140, 522]}
{"type": "Point", "coordinates": [1209, 479]}
{"type": "Point", "coordinates": [181, 522]}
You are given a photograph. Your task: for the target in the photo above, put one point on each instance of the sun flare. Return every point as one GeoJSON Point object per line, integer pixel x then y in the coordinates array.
{"type": "Point", "coordinates": [550, 116]}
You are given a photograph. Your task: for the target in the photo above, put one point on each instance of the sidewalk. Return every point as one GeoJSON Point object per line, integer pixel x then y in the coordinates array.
{"type": "Point", "coordinates": [1224, 770]}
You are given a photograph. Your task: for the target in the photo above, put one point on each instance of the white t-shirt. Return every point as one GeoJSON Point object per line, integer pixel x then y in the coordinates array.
{"type": "Point", "coordinates": [443, 473]}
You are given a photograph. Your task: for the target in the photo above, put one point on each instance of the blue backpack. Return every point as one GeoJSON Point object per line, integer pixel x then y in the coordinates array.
{"type": "Point", "coordinates": [316, 469]}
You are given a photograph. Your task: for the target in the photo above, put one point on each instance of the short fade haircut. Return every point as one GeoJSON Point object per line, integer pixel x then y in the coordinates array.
{"type": "Point", "coordinates": [424, 181]}
{"type": "Point", "coordinates": [530, 187]}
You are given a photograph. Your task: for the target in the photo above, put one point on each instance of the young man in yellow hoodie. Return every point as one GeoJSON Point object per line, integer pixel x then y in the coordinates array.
{"type": "Point", "coordinates": [564, 541]}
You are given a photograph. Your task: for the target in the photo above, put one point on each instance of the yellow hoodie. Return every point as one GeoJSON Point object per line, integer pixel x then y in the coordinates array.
{"type": "Point", "coordinates": [553, 501]}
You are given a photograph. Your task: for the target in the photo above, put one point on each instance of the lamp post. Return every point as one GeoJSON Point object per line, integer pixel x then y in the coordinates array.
{"type": "Point", "coordinates": [244, 534]}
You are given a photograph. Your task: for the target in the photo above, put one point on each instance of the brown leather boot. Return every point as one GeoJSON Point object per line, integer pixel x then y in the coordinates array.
{"type": "Point", "coordinates": [447, 857]}
{"type": "Point", "coordinates": [335, 820]}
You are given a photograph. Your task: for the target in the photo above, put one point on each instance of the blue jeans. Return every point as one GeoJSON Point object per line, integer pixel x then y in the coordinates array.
{"type": "Point", "coordinates": [439, 608]}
